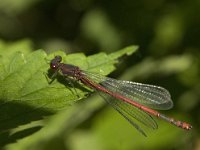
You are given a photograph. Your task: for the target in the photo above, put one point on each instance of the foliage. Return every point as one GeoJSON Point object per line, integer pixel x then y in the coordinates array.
{"type": "Point", "coordinates": [26, 94]}
{"type": "Point", "coordinates": [168, 35]}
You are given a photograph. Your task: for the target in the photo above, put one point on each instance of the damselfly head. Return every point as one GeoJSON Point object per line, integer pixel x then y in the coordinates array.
{"type": "Point", "coordinates": [55, 63]}
{"type": "Point", "coordinates": [58, 58]}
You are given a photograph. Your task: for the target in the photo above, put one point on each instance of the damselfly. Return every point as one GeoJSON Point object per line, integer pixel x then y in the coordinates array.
{"type": "Point", "coordinates": [132, 100]}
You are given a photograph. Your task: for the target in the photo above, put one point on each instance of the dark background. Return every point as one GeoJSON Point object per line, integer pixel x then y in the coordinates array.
{"type": "Point", "coordinates": [167, 33]}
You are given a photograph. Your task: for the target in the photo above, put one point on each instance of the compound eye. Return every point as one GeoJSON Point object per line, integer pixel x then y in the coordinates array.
{"type": "Point", "coordinates": [53, 66]}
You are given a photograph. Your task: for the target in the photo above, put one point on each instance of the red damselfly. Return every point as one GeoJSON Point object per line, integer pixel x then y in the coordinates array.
{"type": "Point", "coordinates": [132, 100]}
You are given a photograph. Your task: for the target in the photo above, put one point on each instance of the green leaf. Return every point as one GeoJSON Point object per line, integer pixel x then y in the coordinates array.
{"type": "Point", "coordinates": [9, 48]}
{"type": "Point", "coordinates": [8, 53]}
{"type": "Point", "coordinates": [26, 95]}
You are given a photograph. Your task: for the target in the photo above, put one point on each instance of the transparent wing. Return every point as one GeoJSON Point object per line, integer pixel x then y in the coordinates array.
{"type": "Point", "coordinates": [130, 113]}
{"type": "Point", "coordinates": [155, 97]}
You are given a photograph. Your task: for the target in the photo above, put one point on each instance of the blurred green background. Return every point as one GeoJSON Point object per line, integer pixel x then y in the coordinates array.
{"type": "Point", "coordinates": [167, 33]}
